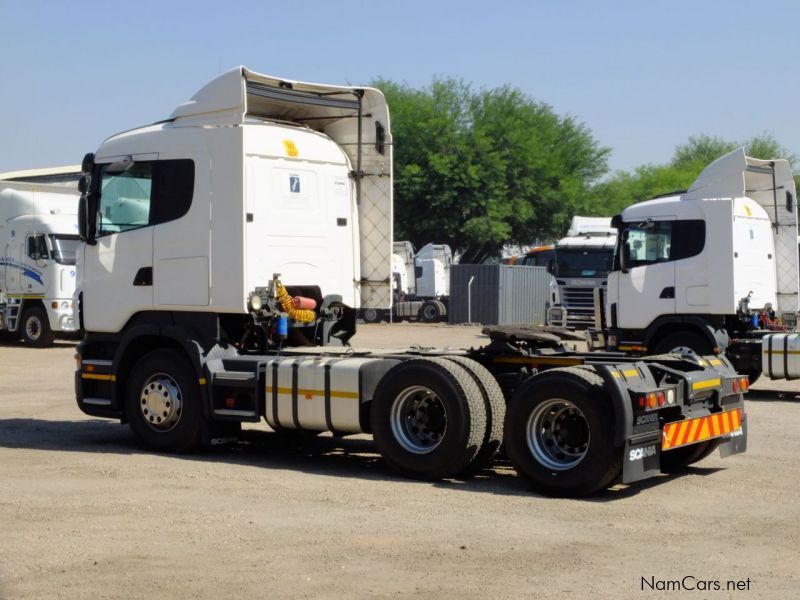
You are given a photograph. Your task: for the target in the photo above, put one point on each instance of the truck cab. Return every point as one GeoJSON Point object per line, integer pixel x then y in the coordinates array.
{"type": "Point", "coordinates": [38, 248]}
{"type": "Point", "coordinates": [700, 270]}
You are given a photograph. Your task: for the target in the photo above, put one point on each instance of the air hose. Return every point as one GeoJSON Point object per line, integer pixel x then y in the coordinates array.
{"type": "Point", "coordinates": [296, 314]}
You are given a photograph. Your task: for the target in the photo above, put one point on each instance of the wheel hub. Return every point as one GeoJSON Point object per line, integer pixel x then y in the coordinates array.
{"type": "Point", "coordinates": [418, 419]}
{"type": "Point", "coordinates": [160, 402]}
{"type": "Point", "coordinates": [33, 328]}
{"type": "Point", "coordinates": [558, 434]}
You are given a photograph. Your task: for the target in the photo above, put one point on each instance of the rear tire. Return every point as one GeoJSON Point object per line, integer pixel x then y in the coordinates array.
{"type": "Point", "coordinates": [35, 328]}
{"type": "Point", "coordinates": [428, 418]}
{"type": "Point", "coordinates": [371, 315]}
{"type": "Point", "coordinates": [163, 402]}
{"type": "Point", "coordinates": [559, 433]}
{"type": "Point", "coordinates": [495, 403]}
{"type": "Point", "coordinates": [673, 461]}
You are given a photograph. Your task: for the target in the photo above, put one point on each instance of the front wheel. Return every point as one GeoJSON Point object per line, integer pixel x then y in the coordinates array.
{"type": "Point", "coordinates": [163, 402]}
{"type": "Point", "coordinates": [430, 312]}
{"type": "Point", "coordinates": [684, 342]}
{"type": "Point", "coordinates": [559, 433]}
{"type": "Point", "coordinates": [35, 328]}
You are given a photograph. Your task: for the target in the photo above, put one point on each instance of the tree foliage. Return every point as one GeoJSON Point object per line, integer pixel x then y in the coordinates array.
{"type": "Point", "coordinates": [481, 169]}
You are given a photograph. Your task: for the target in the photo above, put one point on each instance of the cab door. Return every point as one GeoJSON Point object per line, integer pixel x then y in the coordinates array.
{"type": "Point", "coordinates": [645, 283]}
{"type": "Point", "coordinates": [118, 274]}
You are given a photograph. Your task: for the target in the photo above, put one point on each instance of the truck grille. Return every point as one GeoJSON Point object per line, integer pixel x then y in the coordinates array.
{"type": "Point", "coordinates": [579, 302]}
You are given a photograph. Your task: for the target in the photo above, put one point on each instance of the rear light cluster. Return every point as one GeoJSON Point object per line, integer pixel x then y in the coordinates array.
{"type": "Point", "coordinates": [741, 385]}
{"type": "Point", "coordinates": [656, 399]}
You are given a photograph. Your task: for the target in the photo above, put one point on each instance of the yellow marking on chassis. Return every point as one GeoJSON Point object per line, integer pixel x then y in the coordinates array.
{"type": "Point", "coordinates": [305, 392]}
{"type": "Point", "coordinates": [704, 385]}
{"type": "Point", "coordinates": [98, 377]}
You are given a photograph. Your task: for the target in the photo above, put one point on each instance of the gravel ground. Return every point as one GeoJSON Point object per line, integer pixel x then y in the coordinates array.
{"type": "Point", "coordinates": [86, 513]}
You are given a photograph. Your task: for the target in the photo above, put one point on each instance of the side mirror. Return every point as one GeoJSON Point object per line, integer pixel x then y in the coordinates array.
{"type": "Point", "coordinates": [624, 252]}
{"type": "Point", "coordinates": [88, 162]}
{"type": "Point", "coordinates": [83, 184]}
{"type": "Point", "coordinates": [86, 231]}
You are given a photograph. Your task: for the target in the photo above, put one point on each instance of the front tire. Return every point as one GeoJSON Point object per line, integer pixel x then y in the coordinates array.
{"type": "Point", "coordinates": [428, 418]}
{"type": "Point", "coordinates": [35, 329]}
{"type": "Point", "coordinates": [163, 402]}
{"type": "Point", "coordinates": [430, 312]}
{"type": "Point", "coordinates": [682, 342]}
{"type": "Point", "coordinates": [559, 433]}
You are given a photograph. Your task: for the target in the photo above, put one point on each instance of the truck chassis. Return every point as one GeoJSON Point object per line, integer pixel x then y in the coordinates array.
{"type": "Point", "coordinates": [571, 423]}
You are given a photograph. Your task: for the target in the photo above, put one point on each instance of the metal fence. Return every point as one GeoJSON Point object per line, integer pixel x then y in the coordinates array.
{"type": "Point", "coordinates": [499, 294]}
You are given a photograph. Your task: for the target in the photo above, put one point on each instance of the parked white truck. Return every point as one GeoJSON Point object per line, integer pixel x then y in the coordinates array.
{"type": "Point", "coordinates": [38, 244]}
{"type": "Point", "coordinates": [226, 249]}
{"type": "Point", "coordinates": [420, 284]}
{"type": "Point", "coordinates": [582, 261]}
{"type": "Point", "coordinates": [714, 269]}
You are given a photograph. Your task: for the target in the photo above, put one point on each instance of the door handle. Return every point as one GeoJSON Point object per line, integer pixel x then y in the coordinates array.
{"type": "Point", "coordinates": [144, 277]}
{"type": "Point", "coordinates": [667, 292]}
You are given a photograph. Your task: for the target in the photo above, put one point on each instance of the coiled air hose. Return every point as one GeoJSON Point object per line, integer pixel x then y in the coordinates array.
{"type": "Point", "coordinates": [296, 314]}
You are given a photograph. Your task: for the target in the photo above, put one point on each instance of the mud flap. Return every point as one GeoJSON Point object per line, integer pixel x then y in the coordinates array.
{"type": "Point", "coordinates": [736, 442]}
{"type": "Point", "coordinates": [642, 458]}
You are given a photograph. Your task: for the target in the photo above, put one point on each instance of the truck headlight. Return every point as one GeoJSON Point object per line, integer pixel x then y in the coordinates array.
{"type": "Point", "coordinates": [255, 301]}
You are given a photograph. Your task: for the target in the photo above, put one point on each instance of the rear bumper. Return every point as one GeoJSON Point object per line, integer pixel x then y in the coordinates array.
{"type": "Point", "coordinates": [642, 452]}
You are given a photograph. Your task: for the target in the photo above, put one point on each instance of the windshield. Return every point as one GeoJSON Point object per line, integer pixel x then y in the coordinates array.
{"type": "Point", "coordinates": [64, 248]}
{"type": "Point", "coordinates": [584, 262]}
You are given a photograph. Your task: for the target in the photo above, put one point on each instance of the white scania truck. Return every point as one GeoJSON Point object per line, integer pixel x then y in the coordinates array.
{"type": "Point", "coordinates": [581, 264]}
{"type": "Point", "coordinates": [226, 251]}
{"type": "Point", "coordinates": [714, 269]}
{"type": "Point", "coordinates": [38, 244]}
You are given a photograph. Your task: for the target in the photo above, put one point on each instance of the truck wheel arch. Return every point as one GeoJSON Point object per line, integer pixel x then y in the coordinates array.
{"type": "Point", "coordinates": [662, 327]}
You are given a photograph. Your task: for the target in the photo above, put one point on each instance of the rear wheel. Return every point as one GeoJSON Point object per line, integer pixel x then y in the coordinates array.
{"type": "Point", "coordinates": [680, 458]}
{"type": "Point", "coordinates": [428, 418]}
{"type": "Point", "coordinates": [495, 403]}
{"type": "Point", "coordinates": [35, 328]}
{"type": "Point", "coordinates": [371, 315]}
{"type": "Point", "coordinates": [163, 402]}
{"type": "Point", "coordinates": [559, 433]}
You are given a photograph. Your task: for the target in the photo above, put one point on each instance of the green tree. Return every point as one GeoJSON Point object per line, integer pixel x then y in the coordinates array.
{"type": "Point", "coordinates": [481, 169]}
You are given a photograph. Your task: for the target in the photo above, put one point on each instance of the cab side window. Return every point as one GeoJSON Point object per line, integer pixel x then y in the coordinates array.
{"type": "Point", "coordinates": [147, 193]}
{"type": "Point", "coordinates": [37, 247]}
{"type": "Point", "coordinates": [662, 241]}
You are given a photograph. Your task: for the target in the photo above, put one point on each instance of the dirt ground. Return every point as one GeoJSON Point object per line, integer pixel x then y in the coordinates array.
{"type": "Point", "coordinates": [86, 513]}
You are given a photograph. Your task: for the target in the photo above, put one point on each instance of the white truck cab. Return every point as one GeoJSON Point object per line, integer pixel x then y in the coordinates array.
{"type": "Point", "coordinates": [692, 269]}
{"type": "Point", "coordinates": [581, 264]}
{"type": "Point", "coordinates": [38, 246]}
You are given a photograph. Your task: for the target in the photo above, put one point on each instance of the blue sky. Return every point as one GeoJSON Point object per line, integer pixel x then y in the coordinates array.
{"type": "Point", "coordinates": [644, 76]}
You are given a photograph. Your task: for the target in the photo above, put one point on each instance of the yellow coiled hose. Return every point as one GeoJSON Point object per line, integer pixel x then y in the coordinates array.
{"type": "Point", "coordinates": [296, 314]}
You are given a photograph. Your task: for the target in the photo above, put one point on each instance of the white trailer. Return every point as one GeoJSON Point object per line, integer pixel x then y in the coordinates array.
{"type": "Point", "coordinates": [225, 252]}
{"type": "Point", "coordinates": [714, 269]}
{"type": "Point", "coordinates": [38, 246]}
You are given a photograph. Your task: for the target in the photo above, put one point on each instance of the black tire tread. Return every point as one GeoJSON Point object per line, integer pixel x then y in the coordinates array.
{"type": "Point", "coordinates": [586, 377]}
{"type": "Point", "coordinates": [46, 337]}
{"type": "Point", "coordinates": [495, 403]}
{"type": "Point", "coordinates": [469, 390]}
